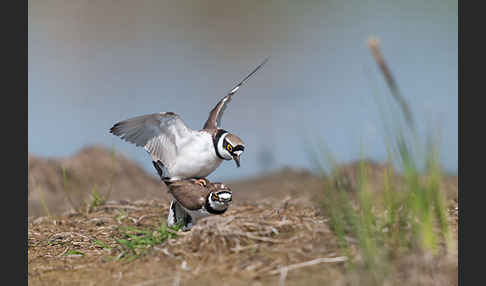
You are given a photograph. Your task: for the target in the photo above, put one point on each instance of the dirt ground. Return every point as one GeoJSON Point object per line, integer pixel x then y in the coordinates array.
{"type": "Point", "coordinates": [273, 234]}
{"type": "Point", "coordinates": [251, 244]}
{"type": "Point", "coordinates": [246, 244]}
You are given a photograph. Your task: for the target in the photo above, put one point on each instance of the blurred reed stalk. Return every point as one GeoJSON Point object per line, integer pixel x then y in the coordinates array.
{"type": "Point", "coordinates": [406, 214]}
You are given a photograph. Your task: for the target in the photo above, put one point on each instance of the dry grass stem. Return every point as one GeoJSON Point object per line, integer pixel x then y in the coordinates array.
{"type": "Point", "coordinates": [310, 263]}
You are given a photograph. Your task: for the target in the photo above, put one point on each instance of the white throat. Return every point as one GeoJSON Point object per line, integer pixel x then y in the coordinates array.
{"type": "Point", "coordinates": [217, 205]}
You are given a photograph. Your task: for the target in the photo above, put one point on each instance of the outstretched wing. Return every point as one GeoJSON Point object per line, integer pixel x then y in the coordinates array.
{"type": "Point", "coordinates": [214, 120]}
{"type": "Point", "coordinates": [158, 133]}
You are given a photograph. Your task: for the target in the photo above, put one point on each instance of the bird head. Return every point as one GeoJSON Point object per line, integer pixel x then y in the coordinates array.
{"type": "Point", "coordinates": [230, 147]}
{"type": "Point", "coordinates": [220, 200]}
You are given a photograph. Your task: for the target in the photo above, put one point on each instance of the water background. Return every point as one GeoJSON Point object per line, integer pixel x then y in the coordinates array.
{"type": "Point", "coordinates": [93, 63]}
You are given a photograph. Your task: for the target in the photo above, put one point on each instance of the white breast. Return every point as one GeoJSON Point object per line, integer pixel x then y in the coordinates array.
{"type": "Point", "coordinates": [195, 158]}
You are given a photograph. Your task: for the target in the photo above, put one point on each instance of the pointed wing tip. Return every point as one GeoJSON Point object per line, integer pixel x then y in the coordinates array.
{"type": "Point", "coordinates": [261, 65]}
{"type": "Point", "coordinates": [114, 129]}
{"type": "Point", "coordinates": [264, 62]}
{"type": "Point", "coordinates": [237, 87]}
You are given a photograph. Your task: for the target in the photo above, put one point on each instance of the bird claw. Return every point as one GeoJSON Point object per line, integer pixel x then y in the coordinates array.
{"type": "Point", "coordinates": [202, 182]}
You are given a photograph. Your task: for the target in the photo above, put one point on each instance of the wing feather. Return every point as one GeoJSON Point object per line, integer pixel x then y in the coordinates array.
{"type": "Point", "coordinates": [158, 133]}
{"type": "Point", "coordinates": [191, 195]}
{"type": "Point", "coordinates": [214, 119]}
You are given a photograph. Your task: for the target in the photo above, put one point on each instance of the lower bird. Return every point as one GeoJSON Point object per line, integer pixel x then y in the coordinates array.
{"type": "Point", "coordinates": [193, 201]}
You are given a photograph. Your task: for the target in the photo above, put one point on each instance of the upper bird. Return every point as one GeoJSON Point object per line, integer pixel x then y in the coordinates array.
{"type": "Point", "coordinates": [177, 151]}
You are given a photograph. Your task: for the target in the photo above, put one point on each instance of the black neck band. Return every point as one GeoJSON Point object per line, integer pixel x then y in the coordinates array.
{"type": "Point", "coordinates": [211, 210]}
{"type": "Point", "coordinates": [216, 139]}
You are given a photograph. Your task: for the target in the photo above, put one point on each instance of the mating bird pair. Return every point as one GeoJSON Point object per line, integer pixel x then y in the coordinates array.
{"type": "Point", "coordinates": [183, 157]}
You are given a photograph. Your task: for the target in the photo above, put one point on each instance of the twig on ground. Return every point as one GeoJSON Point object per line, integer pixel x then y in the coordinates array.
{"type": "Point", "coordinates": [254, 237]}
{"type": "Point", "coordinates": [151, 282]}
{"type": "Point", "coordinates": [310, 263]}
{"type": "Point", "coordinates": [283, 276]}
{"type": "Point", "coordinates": [120, 207]}
{"type": "Point", "coordinates": [64, 252]}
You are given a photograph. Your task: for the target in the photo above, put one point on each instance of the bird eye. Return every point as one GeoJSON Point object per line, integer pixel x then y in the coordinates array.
{"type": "Point", "coordinates": [229, 148]}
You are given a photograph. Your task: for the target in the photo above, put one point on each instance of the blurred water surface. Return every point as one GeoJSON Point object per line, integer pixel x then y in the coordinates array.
{"type": "Point", "coordinates": [93, 63]}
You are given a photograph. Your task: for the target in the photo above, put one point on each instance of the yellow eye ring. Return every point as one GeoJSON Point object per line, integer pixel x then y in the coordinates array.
{"type": "Point", "coordinates": [229, 147]}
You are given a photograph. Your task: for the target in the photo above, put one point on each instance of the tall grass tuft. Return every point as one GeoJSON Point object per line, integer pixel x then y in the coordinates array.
{"type": "Point", "coordinates": [405, 214]}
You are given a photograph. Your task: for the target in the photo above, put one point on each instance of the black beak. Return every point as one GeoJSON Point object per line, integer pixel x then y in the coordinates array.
{"type": "Point", "coordinates": [237, 160]}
